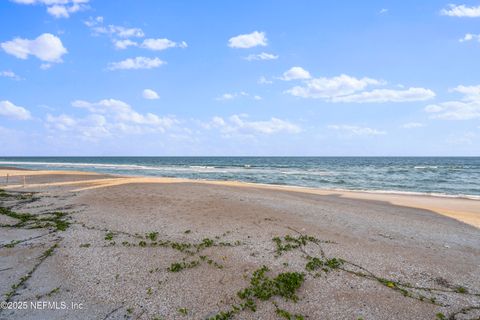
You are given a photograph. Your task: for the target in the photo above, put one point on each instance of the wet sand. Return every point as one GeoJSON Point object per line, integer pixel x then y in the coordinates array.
{"type": "Point", "coordinates": [391, 247]}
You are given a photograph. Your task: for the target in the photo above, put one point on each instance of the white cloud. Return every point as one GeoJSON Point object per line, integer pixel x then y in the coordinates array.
{"type": "Point", "coordinates": [108, 117]}
{"type": "Point", "coordinates": [150, 44]}
{"type": "Point", "coordinates": [350, 130]}
{"type": "Point", "coordinates": [124, 44]}
{"type": "Point", "coordinates": [412, 125]}
{"type": "Point", "coordinates": [10, 110]}
{"type": "Point", "coordinates": [58, 8]}
{"type": "Point", "coordinates": [150, 94]}
{"type": "Point", "coordinates": [123, 112]}
{"type": "Point", "coordinates": [261, 56]}
{"type": "Point", "coordinates": [162, 44]}
{"type": "Point", "coordinates": [90, 128]}
{"type": "Point", "coordinates": [461, 11]}
{"type": "Point", "coordinates": [122, 36]}
{"type": "Point", "coordinates": [62, 122]}
{"type": "Point", "coordinates": [9, 74]}
{"type": "Point", "coordinates": [136, 63]}
{"type": "Point", "coordinates": [296, 73]}
{"type": "Point", "coordinates": [45, 66]}
{"type": "Point", "coordinates": [226, 96]}
{"type": "Point", "coordinates": [97, 26]}
{"type": "Point", "coordinates": [383, 11]}
{"type": "Point", "coordinates": [92, 22]}
{"type": "Point", "coordinates": [470, 37]}
{"type": "Point", "coordinates": [235, 95]}
{"type": "Point", "coordinates": [387, 95]}
{"type": "Point", "coordinates": [239, 124]}
{"type": "Point", "coordinates": [328, 88]}
{"type": "Point", "coordinates": [250, 40]}
{"type": "Point", "coordinates": [465, 109]}
{"type": "Point", "coordinates": [264, 80]}
{"type": "Point", "coordinates": [45, 47]}
{"type": "Point", "coordinates": [345, 88]}
{"type": "Point", "coordinates": [119, 31]}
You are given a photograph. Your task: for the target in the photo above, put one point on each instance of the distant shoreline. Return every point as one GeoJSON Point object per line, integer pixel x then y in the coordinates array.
{"type": "Point", "coordinates": [292, 186]}
{"type": "Point", "coordinates": [463, 209]}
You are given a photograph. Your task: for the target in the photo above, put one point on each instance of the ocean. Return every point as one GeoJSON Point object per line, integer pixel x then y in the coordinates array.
{"type": "Point", "coordinates": [445, 176]}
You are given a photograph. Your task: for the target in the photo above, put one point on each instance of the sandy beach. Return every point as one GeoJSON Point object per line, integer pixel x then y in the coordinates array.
{"type": "Point", "coordinates": [112, 247]}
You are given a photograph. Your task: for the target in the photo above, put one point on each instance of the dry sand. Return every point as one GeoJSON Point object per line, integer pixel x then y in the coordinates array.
{"type": "Point", "coordinates": [411, 241]}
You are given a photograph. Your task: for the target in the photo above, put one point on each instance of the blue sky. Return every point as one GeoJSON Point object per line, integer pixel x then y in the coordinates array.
{"type": "Point", "coordinates": [81, 77]}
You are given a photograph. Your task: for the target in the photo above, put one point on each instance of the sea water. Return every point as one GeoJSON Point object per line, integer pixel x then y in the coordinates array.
{"type": "Point", "coordinates": [447, 176]}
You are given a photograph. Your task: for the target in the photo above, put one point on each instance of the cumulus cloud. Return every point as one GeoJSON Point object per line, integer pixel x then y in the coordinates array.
{"type": "Point", "coordinates": [295, 73]}
{"type": "Point", "coordinates": [124, 44]}
{"type": "Point", "coordinates": [62, 122]}
{"type": "Point", "coordinates": [345, 88]}
{"type": "Point", "coordinates": [470, 37]}
{"type": "Point", "coordinates": [121, 111]}
{"type": "Point", "coordinates": [91, 127]}
{"type": "Point", "coordinates": [108, 117]}
{"type": "Point", "coordinates": [9, 74]}
{"type": "Point", "coordinates": [412, 125]}
{"type": "Point", "coordinates": [122, 36]}
{"type": "Point", "coordinates": [250, 40]}
{"type": "Point", "coordinates": [462, 10]}
{"type": "Point", "coordinates": [45, 47]}
{"type": "Point", "coordinates": [349, 130]}
{"type": "Point", "coordinates": [239, 124]}
{"type": "Point", "coordinates": [465, 109]}
{"type": "Point", "coordinates": [10, 110]}
{"type": "Point", "coordinates": [136, 63]}
{"type": "Point", "coordinates": [261, 56]}
{"type": "Point", "coordinates": [58, 8]}
{"type": "Point", "coordinates": [328, 88]}
{"type": "Point", "coordinates": [162, 44]}
{"type": "Point", "coordinates": [150, 94]}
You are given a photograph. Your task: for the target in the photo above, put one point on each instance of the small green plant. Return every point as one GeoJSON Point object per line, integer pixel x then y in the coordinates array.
{"type": "Point", "coordinates": [142, 243]}
{"type": "Point", "coordinates": [287, 315]}
{"type": "Point", "coordinates": [109, 236]}
{"type": "Point", "coordinates": [183, 311]}
{"type": "Point", "coordinates": [12, 244]}
{"type": "Point", "coordinates": [396, 286]}
{"type": "Point", "coordinates": [85, 245]}
{"type": "Point", "coordinates": [440, 316]}
{"type": "Point", "coordinates": [23, 279]}
{"type": "Point", "coordinates": [152, 236]}
{"type": "Point", "coordinates": [288, 243]}
{"type": "Point", "coordinates": [55, 219]}
{"type": "Point", "coordinates": [179, 246]}
{"type": "Point", "coordinates": [223, 315]}
{"type": "Point", "coordinates": [179, 266]}
{"type": "Point", "coordinates": [461, 289]}
{"type": "Point", "coordinates": [52, 292]}
{"type": "Point", "coordinates": [325, 265]}
{"type": "Point", "coordinates": [263, 288]}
